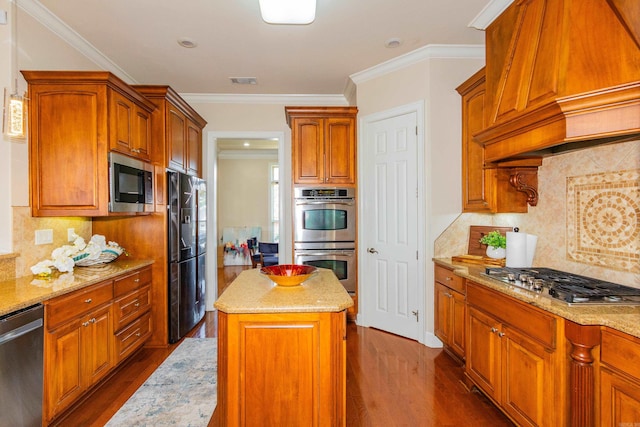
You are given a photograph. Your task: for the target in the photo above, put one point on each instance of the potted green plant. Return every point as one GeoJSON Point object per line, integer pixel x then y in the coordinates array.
{"type": "Point", "coordinates": [496, 244]}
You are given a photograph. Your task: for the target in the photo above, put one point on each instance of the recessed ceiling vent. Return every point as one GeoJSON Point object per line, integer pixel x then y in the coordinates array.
{"type": "Point", "coordinates": [243, 80]}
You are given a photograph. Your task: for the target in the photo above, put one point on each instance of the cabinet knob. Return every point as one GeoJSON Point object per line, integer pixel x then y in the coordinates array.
{"type": "Point", "coordinates": [136, 304]}
{"type": "Point", "coordinates": [448, 278]}
{"type": "Point", "coordinates": [494, 330]}
{"type": "Point", "coordinates": [85, 324]}
{"type": "Point", "coordinates": [136, 280]}
{"type": "Point", "coordinates": [88, 300]}
{"type": "Point", "coordinates": [138, 334]}
{"type": "Point", "coordinates": [501, 334]}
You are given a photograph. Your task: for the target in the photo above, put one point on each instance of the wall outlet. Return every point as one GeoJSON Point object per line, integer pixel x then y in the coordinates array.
{"type": "Point", "coordinates": [44, 237]}
{"type": "Point", "coordinates": [71, 234]}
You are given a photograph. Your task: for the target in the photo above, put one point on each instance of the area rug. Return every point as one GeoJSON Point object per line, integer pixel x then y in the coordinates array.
{"type": "Point", "coordinates": [181, 392]}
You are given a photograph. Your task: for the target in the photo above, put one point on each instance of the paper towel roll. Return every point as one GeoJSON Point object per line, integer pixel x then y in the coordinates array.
{"type": "Point", "coordinates": [531, 249]}
{"type": "Point", "coordinates": [516, 249]}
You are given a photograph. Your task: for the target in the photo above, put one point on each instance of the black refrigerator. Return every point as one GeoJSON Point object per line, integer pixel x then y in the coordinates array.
{"type": "Point", "coordinates": [187, 248]}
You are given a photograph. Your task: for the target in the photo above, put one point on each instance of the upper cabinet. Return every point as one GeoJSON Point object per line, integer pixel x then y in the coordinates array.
{"type": "Point", "coordinates": [323, 144]}
{"type": "Point", "coordinates": [492, 188]}
{"type": "Point", "coordinates": [75, 118]}
{"type": "Point", "coordinates": [560, 72]}
{"type": "Point", "coordinates": [177, 130]}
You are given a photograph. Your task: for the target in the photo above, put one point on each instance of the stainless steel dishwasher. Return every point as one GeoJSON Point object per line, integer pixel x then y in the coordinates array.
{"type": "Point", "coordinates": [21, 343]}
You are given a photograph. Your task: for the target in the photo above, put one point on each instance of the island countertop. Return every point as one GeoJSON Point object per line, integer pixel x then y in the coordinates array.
{"type": "Point", "coordinates": [252, 292]}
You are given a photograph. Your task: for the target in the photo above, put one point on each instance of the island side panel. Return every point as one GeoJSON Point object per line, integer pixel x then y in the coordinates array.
{"type": "Point", "coordinates": [282, 369]}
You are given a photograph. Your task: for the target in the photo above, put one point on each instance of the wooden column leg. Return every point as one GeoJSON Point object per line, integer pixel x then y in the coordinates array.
{"type": "Point", "coordinates": [581, 383]}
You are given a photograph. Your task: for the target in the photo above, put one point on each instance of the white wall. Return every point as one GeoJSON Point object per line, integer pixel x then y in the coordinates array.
{"type": "Point", "coordinates": [6, 235]}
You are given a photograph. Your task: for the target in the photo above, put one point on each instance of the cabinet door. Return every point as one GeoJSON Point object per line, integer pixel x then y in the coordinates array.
{"type": "Point", "coordinates": [97, 345]}
{"type": "Point", "coordinates": [194, 149]}
{"type": "Point", "coordinates": [121, 112]}
{"type": "Point", "coordinates": [619, 400]}
{"type": "Point", "coordinates": [527, 380]}
{"type": "Point", "coordinates": [141, 142]}
{"type": "Point", "coordinates": [307, 136]}
{"type": "Point", "coordinates": [62, 368]}
{"type": "Point", "coordinates": [176, 144]}
{"type": "Point", "coordinates": [477, 182]}
{"type": "Point", "coordinates": [458, 320]}
{"type": "Point", "coordinates": [443, 313]}
{"type": "Point", "coordinates": [340, 150]}
{"type": "Point", "coordinates": [483, 362]}
{"type": "Point", "coordinates": [68, 150]}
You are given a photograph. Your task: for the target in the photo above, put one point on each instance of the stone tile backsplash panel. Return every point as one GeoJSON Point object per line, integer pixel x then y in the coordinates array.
{"type": "Point", "coordinates": [603, 213]}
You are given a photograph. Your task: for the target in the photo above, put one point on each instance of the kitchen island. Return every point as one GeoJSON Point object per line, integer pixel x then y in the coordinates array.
{"type": "Point", "coordinates": [281, 351]}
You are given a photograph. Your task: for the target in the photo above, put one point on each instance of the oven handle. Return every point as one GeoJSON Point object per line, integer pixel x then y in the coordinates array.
{"type": "Point", "coordinates": [342, 253]}
{"type": "Point", "coordinates": [325, 202]}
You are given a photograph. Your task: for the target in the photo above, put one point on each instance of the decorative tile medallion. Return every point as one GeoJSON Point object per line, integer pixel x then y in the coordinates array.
{"type": "Point", "coordinates": [603, 219]}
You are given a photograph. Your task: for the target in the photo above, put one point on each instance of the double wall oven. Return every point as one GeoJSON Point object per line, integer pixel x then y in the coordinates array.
{"type": "Point", "coordinates": [325, 231]}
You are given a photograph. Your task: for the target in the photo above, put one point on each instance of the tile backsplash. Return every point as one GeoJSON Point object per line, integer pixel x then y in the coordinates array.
{"type": "Point", "coordinates": [24, 228]}
{"type": "Point", "coordinates": [587, 219]}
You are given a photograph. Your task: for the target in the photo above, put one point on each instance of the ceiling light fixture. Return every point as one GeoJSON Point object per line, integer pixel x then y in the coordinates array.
{"type": "Point", "coordinates": [298, 12]}
{"type": "Point", "coordinates": [393, 42]}
{"type": "Point", "coordinates": [187, 42]}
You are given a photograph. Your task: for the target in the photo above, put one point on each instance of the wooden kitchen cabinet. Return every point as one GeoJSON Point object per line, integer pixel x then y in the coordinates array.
{"type": "Point", "coordinates": [75, 118]}
{"type": "Point", "coordinates": [450, 310]}
{"type": "Point", "coordinates": [619, 379]}
{"type": "Point", "coordinates": [486, 187]}
{"type": "Point", "coordinates": [176, 129]}
{"type": "Point", "coordinates": [131, 127]}
{"type": "Point", "coordinates": [78, 345]}
{"type": "Point", "coordinates": [282, 369]}
{"type": "Point", "coordinates": [516, 356]}
{"type": "Point", "coordinates": [323, 143]}
{"type": "Point", "coordinates": [89, 332]}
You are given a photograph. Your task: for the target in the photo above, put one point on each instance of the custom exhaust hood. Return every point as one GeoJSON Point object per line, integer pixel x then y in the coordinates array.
{"type": "Point", "coordinates": [561, 75]}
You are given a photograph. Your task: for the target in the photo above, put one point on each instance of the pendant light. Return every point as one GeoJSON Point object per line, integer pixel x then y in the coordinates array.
{"type": "Point", "coordinates": [296, 12]}
{"type": "Point", "coordinates": [15, 114]}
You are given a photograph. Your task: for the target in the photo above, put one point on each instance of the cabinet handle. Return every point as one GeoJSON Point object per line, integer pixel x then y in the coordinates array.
{"type": "Point", "coordinates": [448, 278]}
{"type": "Point", "coordinates": [136, 304]}
{"type": "Point", "coordinates": [92, 320]}
{"type": "Point", "coordinates": [494, 330]}
{"type": "Point", "coordinates": [88, 300]}
{"type": "Point", "coordinates": [138, 334]}
{"type": "Point", "coordinates": [85, 324]}
{"type": "Point", "coordinates": [501, 334]}
{"type": "Point", "coordinates": [448, 295]}
{"type": "Point", "coordinates": [136, 280]}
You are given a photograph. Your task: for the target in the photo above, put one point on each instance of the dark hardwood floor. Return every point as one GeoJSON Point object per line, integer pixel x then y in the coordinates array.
{"type": "Point", "coordinates": [391, 381]}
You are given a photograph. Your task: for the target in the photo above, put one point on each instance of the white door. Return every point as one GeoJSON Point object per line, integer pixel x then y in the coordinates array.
{"type": "Point", "coordinates": [389, 225]}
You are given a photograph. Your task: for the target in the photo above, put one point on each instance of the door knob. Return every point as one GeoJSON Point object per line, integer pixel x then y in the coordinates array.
{"type": "Point", "coordinates": [372, 251]}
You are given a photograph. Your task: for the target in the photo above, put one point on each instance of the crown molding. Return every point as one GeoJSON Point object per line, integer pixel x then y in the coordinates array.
{"type": "Point", "coordinates": [66, 33]}
{"type": "Point", "coordinates": [432, 51]}
{"type": "Point", "coordinates": [284, 99]}
{"type": "Point", "coordinates": [489, 13]}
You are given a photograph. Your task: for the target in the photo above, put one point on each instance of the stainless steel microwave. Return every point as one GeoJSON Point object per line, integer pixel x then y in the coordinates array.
{"type": "Point", "coordinates": [130, 184]}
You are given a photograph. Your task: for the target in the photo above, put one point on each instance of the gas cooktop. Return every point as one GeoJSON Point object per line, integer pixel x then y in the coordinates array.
{"type": "Point", "coordinates": [568, 287]}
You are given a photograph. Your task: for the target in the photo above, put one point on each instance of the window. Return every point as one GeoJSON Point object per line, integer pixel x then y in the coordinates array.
{"type": "Point", "coordinates": [274, 201]}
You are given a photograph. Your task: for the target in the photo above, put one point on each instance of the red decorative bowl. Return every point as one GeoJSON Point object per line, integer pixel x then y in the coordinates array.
{"type": "Point", "coordinates": [288, 274]}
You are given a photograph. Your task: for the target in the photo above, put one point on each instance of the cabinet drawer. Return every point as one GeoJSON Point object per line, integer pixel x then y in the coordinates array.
{"type": "Point", "coordinates": [621, 352]}
{"type": "Point", "coordinates": [132, 337]}
{"type": "Point", "coordinates": [450, 280]}
{"type": "Point", "coordinates": [532, 322]}
{"type": "Point", "coordinates": [61, 309]}
{"type": "Point", "coordinates": [132, 281]}
{"type": "Point", "coordinates": [130, 306]}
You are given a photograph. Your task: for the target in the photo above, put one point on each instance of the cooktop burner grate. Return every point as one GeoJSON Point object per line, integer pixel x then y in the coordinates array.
{"type": "Point", "coordinates": [568, 287]}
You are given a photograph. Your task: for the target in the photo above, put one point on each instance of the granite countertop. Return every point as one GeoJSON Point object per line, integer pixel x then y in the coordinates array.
{"type": "Point", "coordinates": [22, 292]}
{"type": "Point", "coordinates": [624, 318]}
{"type": "Point", "coordinates": [252, 292]}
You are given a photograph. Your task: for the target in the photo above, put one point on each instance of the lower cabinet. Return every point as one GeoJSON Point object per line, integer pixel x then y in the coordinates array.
{"type": "Point", "coordinates": [282, 369]}
{"type": "Point", "coordinates": [516, 357]}
{"type": "Point", "coordinates": [84, 338]}
{"type": "Point", "coordinates": [450, 310]}
{"type": "Point", "coordinates": [619, 379]}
